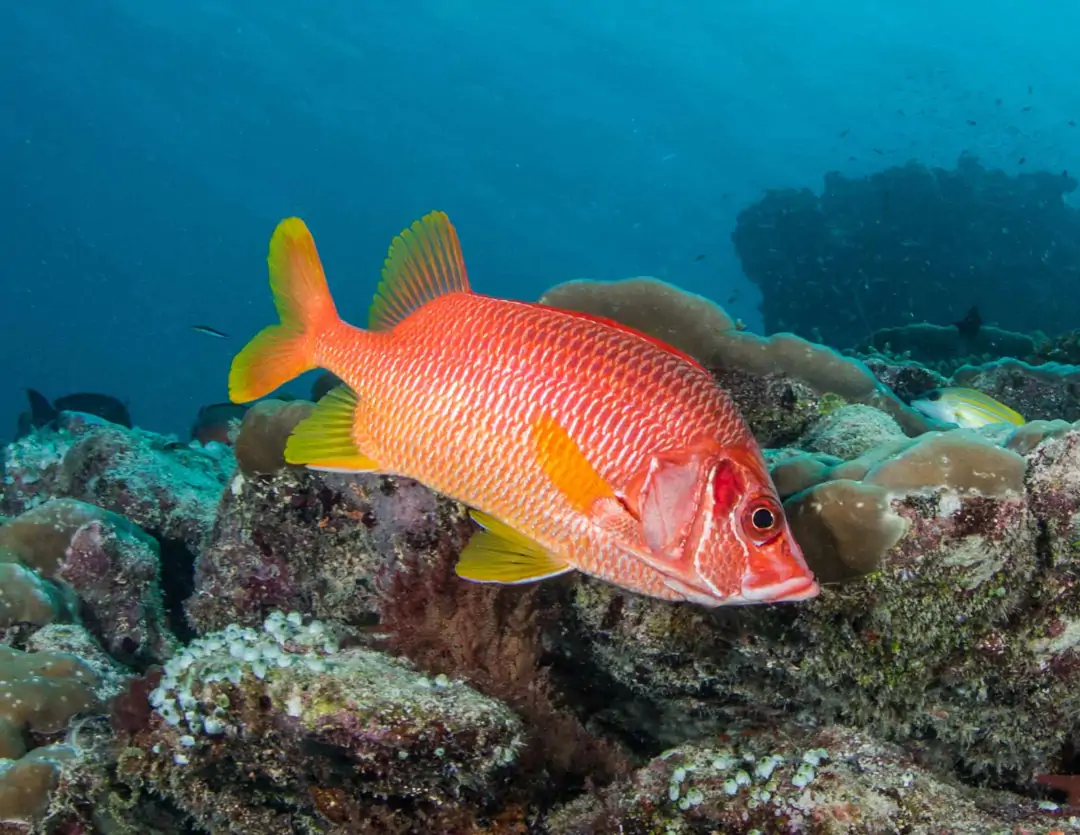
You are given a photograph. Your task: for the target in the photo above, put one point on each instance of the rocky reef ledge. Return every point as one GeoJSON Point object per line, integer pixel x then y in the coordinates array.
{"type": "Point", "coordinates": [199, 639]}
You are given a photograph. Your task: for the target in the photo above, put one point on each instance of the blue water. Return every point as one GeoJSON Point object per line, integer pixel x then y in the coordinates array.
{"type": "Point", "coordinates": [148, 148]}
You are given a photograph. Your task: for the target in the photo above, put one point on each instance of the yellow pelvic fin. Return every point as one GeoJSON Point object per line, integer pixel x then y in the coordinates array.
{"type": "Point", "coordinates": [568, 468]}
{"type": "Point", "coordinates": [499, 554]}
{"type": "Point", "coordinates": [280, 353]}
{"type": "Point", "coordinates": [324, 439]}
{"type": "Point", "coordinates": [424, 262]}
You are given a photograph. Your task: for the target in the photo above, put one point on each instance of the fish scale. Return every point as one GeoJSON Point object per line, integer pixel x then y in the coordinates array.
{"type": "Point", "coordinates": [417, 383]}
{"type": "Point", "coordinates": [581, 444]}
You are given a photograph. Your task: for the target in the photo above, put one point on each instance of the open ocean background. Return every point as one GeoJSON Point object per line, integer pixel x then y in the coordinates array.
{"type": "Point", "coordinates": [148, 149]}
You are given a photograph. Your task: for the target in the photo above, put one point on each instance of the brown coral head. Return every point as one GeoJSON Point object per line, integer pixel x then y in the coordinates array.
{"type": "Point", "coordinates": [260, 444]}
{"type": "Point", "coordinates": [844, 527]}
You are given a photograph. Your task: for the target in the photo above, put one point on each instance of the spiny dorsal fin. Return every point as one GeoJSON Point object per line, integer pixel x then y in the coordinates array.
{"type": "Point", "coordinates": [424, 262]}
{"type": "Point", "coordinates": [499, 554]}
{"type": "Point", "coordinates": [324, 439]}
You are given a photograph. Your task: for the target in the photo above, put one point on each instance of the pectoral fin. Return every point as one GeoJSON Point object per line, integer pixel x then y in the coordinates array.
{"type": "Point", "coordinates": [499, 554]}
{"type": "Point", "coordinates": [568, 468]}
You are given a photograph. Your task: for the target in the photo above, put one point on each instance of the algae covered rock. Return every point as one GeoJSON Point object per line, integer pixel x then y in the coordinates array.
{"type": "Point", "coordinates": [777, 408]}
{"type": "Point", "coordinates": [849, 431]}
{"type": "Point", "coordinates": [956, 638]}
{"type": "Point", "coordinates": [168, 489]}
{"type": "Point", "coordinates": [793, 781]}
{"type": "Point", "coordinates": [112, 568]}
{"type": "Point", "coordinates": [321, 543]}
{"type": "Point", "coordinates": [278, 727]}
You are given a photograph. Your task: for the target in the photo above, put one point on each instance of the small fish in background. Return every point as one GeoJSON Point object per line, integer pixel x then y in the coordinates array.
{"type": "Point", "coordinates": [967, 408]}
{"type": "Point", "coordinates": [42, 412]}
{"type": "Point", "coordinates": [216, 421]}
{"type": "Point", "coordinates": [323, 385]}
{"type": "Point", "coordinates": [662, 491]}
{"type": "Point", "coordinates": [970, 325]}
{"type": "Point", "coordinates": [206, 330]}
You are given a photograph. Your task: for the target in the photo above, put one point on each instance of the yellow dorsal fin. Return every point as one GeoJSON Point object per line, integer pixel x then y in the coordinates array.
{"type": "Point", "coordinates": [499, 554]}
{"type": "Point", "coordinates": [325, 439]}
{"type": "Point", "coordinates": [424, 262]}
{"type": "Point", "coordinates": [568, 468]}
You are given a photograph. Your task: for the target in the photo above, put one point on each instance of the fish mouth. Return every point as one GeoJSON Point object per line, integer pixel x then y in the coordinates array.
{"type": "Point", "coordinates": [792, 589]}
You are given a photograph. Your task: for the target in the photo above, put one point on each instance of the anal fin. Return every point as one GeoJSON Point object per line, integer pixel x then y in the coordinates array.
{"type": "Point", "coordinates": [325, 439]}
{"type": "Point", "coordinates": [499, 554]}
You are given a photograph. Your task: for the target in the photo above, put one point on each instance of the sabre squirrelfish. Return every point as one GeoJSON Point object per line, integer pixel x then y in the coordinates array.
{"type": "Point", "coordinates": [578, 443]}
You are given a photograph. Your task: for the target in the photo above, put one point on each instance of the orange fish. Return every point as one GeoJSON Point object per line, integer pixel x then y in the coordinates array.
{"type": "Point", "coordinates": [578, 443]}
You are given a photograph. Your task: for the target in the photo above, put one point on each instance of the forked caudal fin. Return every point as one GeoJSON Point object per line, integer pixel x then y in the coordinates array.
{"type": "Point", "coordinates": [424, 262]}
{"type": "Point", "coordinates": [282, 352]}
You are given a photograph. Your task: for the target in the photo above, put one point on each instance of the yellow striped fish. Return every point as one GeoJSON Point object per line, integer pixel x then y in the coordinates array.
{"type": "Point", "coordinates": [967, 408]}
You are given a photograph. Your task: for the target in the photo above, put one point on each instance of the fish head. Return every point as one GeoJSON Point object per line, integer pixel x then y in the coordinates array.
{"type": "Point", "coordinates": [938, 406]}
{"type": "Point", "coordinates": [716, 530]}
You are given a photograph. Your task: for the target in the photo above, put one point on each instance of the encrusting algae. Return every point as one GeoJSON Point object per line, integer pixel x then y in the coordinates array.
{"type": "Point", "coordinates": [579, 443]}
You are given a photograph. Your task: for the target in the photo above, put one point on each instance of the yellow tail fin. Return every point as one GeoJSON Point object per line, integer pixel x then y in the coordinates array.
{"type": "Point", "coordinates": [282, 352]}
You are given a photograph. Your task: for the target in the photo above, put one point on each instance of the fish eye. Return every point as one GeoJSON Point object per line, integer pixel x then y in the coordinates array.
{"type": "Point", "coordinates": [934, 395]}
{"type": "Point", "coordinates": [763, 519]}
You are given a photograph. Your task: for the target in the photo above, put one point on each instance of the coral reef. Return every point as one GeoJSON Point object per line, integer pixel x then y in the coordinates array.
{"type": "Point", "coordinates": [40, 692]}
{"type": "Point", "coordinates": [354, 551]}
{"type": "Point", "coordinates": [1044, 392]}
{"type": "Point", "coordinates": [168, 489]}
{"type": "Point", "coordinates": [944, 349]}
{"type": "Point", "coordinates": [28, 782]}
{"type": "Point", "coordinates": [934, 686]}
{"type": "Point", "coordinates": [110, 565]}
{"type": "Point", "coordinates": [792, 781]}
{"type": "Point", "coordinates": [370, 740]}
{"type": "Point", "coordinates": [955, 639]}
{"type": "Point", "coordinates": [905, 244]}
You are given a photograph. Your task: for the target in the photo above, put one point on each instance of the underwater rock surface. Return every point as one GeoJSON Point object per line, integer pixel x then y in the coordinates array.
{"type": "Point", "coordinates": [343, 736]}
{"type": "Point", "coordinates": [789, 780]}
{"type": "Point", "coordinates": [202, 647]}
